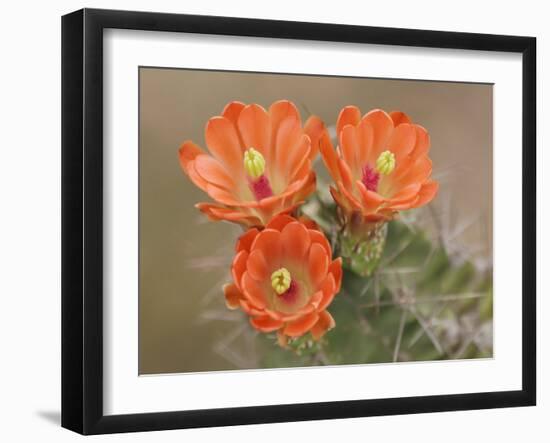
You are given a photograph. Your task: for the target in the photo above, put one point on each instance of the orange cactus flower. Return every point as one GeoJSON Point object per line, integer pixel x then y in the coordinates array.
{"type": "Point", "coordinates": [284, 279]}
{"type": "Point", "coordinates": [259, 163]}
{"type": "Point", "coordinates": [381, 165]}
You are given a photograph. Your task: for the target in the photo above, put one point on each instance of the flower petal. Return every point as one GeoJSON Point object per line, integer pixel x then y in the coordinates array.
{"type": "Point", "coordinates": [346, 174]}
{"type": "Point", "coordinates": [232, 296]}
{"type": "Point", "coordinates": [349, 144]}
{"type": "Point", "coordinates": [350, 115]}
{"type": "Point", "coordinates": [412, 169]}
{"type": "Point", "coordinates": [244, 242]}
{"type": "Point", "coordinates": [339, 199]}
{"type": "Point", "coordinates": [250, 309]}
{"type": "Point", "coordinates": [256, 266]}
{"type": "Point", "coordinates": [216, 212]}
{"type": "Point", "coordinates": [371, 200]}
{"type": "Point", "coordinates": [365, 139]}
{"type": "Point", "coordinates": [335, 268]}
{"type": "Point", "coordinates": [329, 156]}
{"type": "Point", "coordinates": [266, 323]}
{"type": "Point", "coordinates": [279, 112]}
{"type": "Point", "coordinates": [314, 128]}
{"type": "Point", "coordinates": [273, 314]}
{"type": "Point", "coordinates": [324, 323]}
{"type": "Point", "coordinates": [254, 127]}
{"type": "Point", "coordinates": [300, 172]}
{"type": "Point", "coordinates": [309, 223]}
{"type": "Point", "coordinates": [220, 213]}
{"type": "Point", "coordinates": [402, 141]}
{"type": "Point", "coordinates": [328, 288]}
{"type": "Point", "coordinates": [279, 222]}
{"type": "Point", "coordinates": [422, 145]}
{"type": "Point", "coordinates": [269, 242]}
{"type": "Point", "coordinates": [427, 193]}
{"type": "Point", "coordinates": [221, 195]}
{"type": "Point", "coordinates": [301, 325]}
{"type": "Point", "coordinates": [298, 156]}
{"type": "Point", "coordinates": [296, 241]}
{"type": "Point", "coordinates": [238, 267]}
{"type": "Point", "coordinates": [318, 237]}
{"type": "Point", "coordinates": [317, 264]}
{"type": "Point", "coordinates": [399, 117]}
{"type": "Point", "coordinates": [305, 187]}
{"type": "Point", "coordinates": [382, 126]}
{"type": "Point", "coordinates": [187, 154]}
{"type": "Point", "coordinates": [316, 299]}
{"type": "Point", "coordinates": [252, 291]}
{"type": "Point", "coordinates": [232, 111]}
{"type": "Point", "coordinates": [287, 138]}
{"type": "Point", "coordinates": [223, 142]}
{"type": "Point", "coordinates": [405, 194]}
{"type": "Point", "coordinates": [401, 206]}
{"type": "Point", "coordinates": [351, 199]}
{"type": "Point", "coordinates": [212, 171]}
{"type": "Point", "coordinates": [271, 205]}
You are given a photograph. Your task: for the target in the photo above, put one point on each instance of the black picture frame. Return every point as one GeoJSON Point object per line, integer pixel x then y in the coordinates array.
{"type": "Point", "coordinates": [82, 220]}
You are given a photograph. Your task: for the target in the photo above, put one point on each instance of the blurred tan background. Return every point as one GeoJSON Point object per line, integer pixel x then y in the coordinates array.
{"type": "Point", "coordinates": [184, 260]}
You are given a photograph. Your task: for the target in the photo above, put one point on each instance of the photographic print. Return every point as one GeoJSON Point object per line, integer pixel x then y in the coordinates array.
{"type": "Point", "coordinates": [252, 211]}
{"type": "Point", "coordinates": [298, 220]}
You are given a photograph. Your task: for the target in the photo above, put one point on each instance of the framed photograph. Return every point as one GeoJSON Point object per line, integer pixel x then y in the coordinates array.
{"type": "Point", "coordinates": [269, 221]}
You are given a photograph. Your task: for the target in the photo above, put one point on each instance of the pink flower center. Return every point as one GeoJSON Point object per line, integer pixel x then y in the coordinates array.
{"type": "Point", "coordinates": [260, 187]}
{"type": "Point", "coordinates": [370, 178]}
{"type": "Point", "coordinates": [291, 294]}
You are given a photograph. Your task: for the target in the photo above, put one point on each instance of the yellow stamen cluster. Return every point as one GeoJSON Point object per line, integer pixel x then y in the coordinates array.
{"type": "Point", "coordinates": [280, 280]}
{"type": "Point", "coordinates": [385, 163]}
{"type": "Point", "coordinates": [254, 163]}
